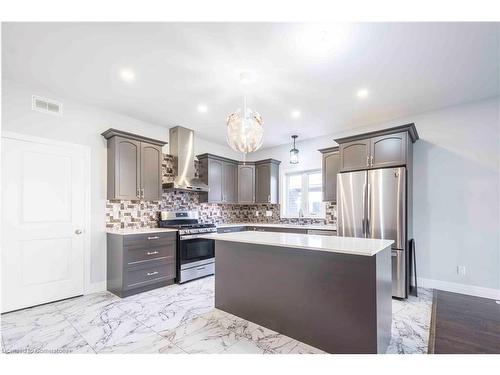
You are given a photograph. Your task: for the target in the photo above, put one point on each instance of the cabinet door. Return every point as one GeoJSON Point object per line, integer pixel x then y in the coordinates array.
{"type": "Point", "coordinates": [127, 169]}
{"type": "Point", "coordinates": [331, 166]}
{"type": "Point", "coordinates": [151, 157]}
{"type": "Point", "coordinates": [230, 174]}
{"type": "Point", "coordinates": [262, 183]}
{"type": "Point", "coordinates": [355, 155]}
{"type": "Point", "coordinates": [274, 190]}
{"type": "Point", "coordinates": [215, 180]}
{"type": "Point", "coordinates": [388, 150]}
{"type": "Point", "coordinates": [246, 183]}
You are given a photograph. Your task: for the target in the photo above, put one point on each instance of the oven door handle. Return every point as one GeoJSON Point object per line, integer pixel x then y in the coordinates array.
{"type": "Point", "coordinates": [193, 236]}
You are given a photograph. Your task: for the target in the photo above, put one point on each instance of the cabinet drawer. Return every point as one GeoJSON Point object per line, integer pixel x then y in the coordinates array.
{"type": "Point", "coordinates": [135, 255]}
{"type": "Point", "coordinates": [149, 239]}
{"type": "Point", "coordinates": [142, 275]}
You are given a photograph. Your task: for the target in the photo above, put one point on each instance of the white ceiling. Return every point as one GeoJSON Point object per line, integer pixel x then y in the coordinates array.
{"type": "Point", "coordinates": [408, 68]}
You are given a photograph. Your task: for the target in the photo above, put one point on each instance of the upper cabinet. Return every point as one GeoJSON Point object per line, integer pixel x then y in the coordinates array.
{"type": "Point", "coordinates": [230, 181]}
{"type": "Point", "coordinates": [134, 166]}
{"type": "Point", "coordinates": [246, 183]}
{"type": "Point", "coordinates": [330, 168]}
{"type": "Point", "coordinates": [355, 155]}
{"type": "Point", "coordinates": [267, 175]}
{"type": "Point", "coordinates": [221, 176]}
{"type": "Point", "coordinates": [380, 149]}
{"type": "Point", "coordinates": [388, 150]}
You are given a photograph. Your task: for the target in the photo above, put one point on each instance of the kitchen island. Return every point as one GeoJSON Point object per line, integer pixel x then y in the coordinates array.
{"type": "Point", "coordinates": [333, 293]}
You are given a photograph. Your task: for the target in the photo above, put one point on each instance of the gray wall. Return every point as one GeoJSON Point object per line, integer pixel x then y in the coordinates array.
{"type": "Point", "coordinates": [456, 189]}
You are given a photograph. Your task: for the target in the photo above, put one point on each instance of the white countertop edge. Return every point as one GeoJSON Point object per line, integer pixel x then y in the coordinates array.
{"type": "Point", "coordinates": [378, 245]}
{"type": "Point", "coordinates": [131, 231]}
{"type": "Point", "coordinates": [330, 227]}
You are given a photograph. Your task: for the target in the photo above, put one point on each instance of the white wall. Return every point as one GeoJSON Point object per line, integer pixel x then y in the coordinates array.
{"type": "Point", "coordinates": [83, 124]}
{"type": "Point", "coordinates": [456, 189]}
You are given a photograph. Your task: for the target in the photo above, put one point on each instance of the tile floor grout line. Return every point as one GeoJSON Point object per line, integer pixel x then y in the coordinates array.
{"type": "Point", "coordinates": [77, 331]}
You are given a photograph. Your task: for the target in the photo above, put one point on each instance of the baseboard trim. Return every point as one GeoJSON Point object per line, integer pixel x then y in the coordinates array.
{"type": "Point", "coordinates": [471, 290]}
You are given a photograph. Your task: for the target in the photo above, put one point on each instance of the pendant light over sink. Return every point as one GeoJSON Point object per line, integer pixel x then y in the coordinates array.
{"type": "Point", "coordinates": [294, 153]}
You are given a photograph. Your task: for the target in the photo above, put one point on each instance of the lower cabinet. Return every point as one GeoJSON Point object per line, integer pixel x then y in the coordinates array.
{"type": "Point", "coordinates": [140, 262]}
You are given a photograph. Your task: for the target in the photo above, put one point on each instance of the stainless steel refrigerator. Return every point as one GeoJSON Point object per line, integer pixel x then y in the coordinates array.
{"type": "Point", "coordinates": [372, 204]}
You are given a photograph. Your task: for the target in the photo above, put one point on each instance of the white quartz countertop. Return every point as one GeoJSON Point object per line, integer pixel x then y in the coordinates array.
{"type": "Point", "coordinates": [334, 244]}
{"type": "Point", "coordinates": [127, 231]}
{"type": "Point", "coordinates": [293, 226]}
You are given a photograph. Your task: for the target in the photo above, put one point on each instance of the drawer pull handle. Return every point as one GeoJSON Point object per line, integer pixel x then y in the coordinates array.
{"type": "Point", "coordinates": [153, 238]}
{"type": "Point", "coordinates": [152, 273]}
{"type": "Point", "coordinates": [152, 252]}
{"type": "Point", "coordinates": [200, 268]}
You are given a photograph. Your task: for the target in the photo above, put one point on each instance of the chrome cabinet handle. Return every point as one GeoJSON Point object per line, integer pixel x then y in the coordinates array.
{"type": "Point", "coordinates": [152, 273]}
{"type": "Point", "coordinates": [371, 161]}
{"type": "Point", "coordinates": [138, 193]}
{"type": "Point", "coordinates": [200, 268]}
{"type": "Point", "coordinates": [367, 160]}
{"type": "Point", "coordinates": [78, 231]}
{"type": "Point", "coordinates": [142, 193]}
{"type": "Point", "coordinates": [153, 238]}
{"type": "Point", "coordinates": [152, 252]}
{"type": "Point", "coordinates": [269, 198]}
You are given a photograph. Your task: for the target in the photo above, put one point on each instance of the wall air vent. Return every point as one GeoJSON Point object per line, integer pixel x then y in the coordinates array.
{"type": "Point", "coordinates": [46, 105]}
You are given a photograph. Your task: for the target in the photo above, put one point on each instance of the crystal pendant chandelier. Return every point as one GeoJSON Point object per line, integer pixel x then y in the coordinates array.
{"type": "Point", "coordinates": [294, 153]}
{"type": "Point", "coordinates": [244, 129]}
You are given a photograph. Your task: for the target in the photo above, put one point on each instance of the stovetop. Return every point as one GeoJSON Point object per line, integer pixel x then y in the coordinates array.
{"type": "Point", "coordinates": [167, 224]}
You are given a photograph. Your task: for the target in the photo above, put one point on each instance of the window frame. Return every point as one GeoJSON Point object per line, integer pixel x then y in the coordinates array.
{"type": "Point", "coordinates": [305, 195]}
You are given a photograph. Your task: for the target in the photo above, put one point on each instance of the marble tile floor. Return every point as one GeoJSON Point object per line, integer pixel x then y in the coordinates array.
{"type": "Point", "coordinates": [177, 319]}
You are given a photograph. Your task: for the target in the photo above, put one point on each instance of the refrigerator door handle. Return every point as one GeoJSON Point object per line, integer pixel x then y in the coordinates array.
{"type": "Point", "coordinates": [364, 212]}
{"type": "Point", "coordinates": [368, 212]}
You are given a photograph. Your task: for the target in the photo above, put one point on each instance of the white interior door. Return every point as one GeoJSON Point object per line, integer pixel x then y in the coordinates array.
{"type": "Point", "coordinates": [43, 214]}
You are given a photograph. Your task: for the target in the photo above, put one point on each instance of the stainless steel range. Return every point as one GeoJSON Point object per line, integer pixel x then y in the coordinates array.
{"type": "Point", "coordinates": [195, 255]}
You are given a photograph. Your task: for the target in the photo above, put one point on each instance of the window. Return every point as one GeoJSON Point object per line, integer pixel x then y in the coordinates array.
{"type": "Point", "coordinates": [303, 196]}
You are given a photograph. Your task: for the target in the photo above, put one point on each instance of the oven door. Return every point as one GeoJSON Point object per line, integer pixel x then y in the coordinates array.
{"type": "Point", "coordinates": [193, 249]}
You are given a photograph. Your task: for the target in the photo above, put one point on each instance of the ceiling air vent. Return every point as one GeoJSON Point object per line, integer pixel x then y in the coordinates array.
{"type": "Point", "coordinates": [46, 105]}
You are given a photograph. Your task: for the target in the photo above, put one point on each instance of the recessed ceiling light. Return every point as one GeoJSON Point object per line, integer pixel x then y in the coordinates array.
{"type": "Point", "coordinates": [127, 75]}
{"type": "Point", "coordinates": [202, 108]}
{"type": "Point", "coordinates": [247, 77]}
{"type": "Point", "coordinates": [295, 113]}
{"type": "Point", "coordinates": [362, 93]}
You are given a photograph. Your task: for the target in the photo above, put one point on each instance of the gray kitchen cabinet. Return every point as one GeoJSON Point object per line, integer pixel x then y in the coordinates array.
{"type": "Point", "coordinates": [246, 183]}
{"type": "Point", "coordinates": [230, 182]}
{"type": "Point", "coordinates": [151, 159]}
{"type": "Point", "coordinates": [267, 181]}
{"type": "Point", "coordinates": [388, 150]}
{"type": "Point", "coordinates": [140, 262]}
{"type": "Point", "coordinates": [215, 180]}
{"type": "Point", "coordinates": [355, 155]}
{"type": "Point", "coordinates": [378, 149]}
{"type": "Point", "coordinates": [134, 166]}
{"type": "Point", "coordinates": [221, 176]}
{"type": "Point", "coordinates": [330, 169]}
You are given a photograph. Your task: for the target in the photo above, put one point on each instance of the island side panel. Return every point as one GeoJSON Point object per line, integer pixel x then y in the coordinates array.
{"type": "Point", "coordinates": [327, 300]}
{"type": "Point", "coordinates": [384, 299]}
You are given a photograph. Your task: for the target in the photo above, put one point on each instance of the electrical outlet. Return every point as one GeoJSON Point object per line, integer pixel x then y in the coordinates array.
{"type": "Point", "coordinates": [269, 213]}
{"type": "Point", "coordinates": [461, 270]}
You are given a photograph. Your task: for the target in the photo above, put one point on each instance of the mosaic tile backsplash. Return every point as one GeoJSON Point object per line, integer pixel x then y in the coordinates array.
{"type": "Point", "coordinates": [140, 214]}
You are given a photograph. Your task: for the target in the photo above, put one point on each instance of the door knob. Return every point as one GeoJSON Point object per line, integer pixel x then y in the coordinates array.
{"type": "Point", "coordinates": [78, 231]}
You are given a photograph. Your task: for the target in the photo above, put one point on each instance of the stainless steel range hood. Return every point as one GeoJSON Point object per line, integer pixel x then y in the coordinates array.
{"type": "Point", "coordinates": [182, 149]}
